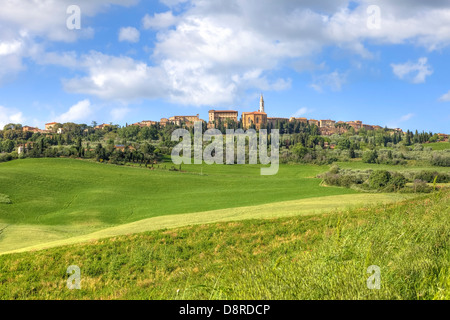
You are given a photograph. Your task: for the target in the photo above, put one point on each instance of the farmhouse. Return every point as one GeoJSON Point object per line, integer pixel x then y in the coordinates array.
{"type": "Point", "coordinates": [30, 129]}
{"type": "Point", "coordinates": [102, 126]}
{"type": "Point", "coordinates": [145, 123]}
{"type": "Point", "coordinates": [50, 126]}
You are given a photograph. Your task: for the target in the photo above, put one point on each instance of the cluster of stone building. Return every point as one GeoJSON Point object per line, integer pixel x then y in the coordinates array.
{"type": "Point", "coordinates": [48, 128]}
{"type": "Point", "coordinates": [259, 119]}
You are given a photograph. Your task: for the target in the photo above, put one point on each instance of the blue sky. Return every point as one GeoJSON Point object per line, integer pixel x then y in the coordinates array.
{"type": "Point", "coordinates": [143, 60]}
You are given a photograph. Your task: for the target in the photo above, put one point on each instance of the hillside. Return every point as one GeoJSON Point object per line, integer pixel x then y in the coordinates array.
{"type": "Point", "coordinates": [55, 199]}
{"type": "Point", "coordinates": [305, 257]}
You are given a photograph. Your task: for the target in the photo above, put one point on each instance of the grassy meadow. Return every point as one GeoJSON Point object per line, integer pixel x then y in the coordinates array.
{"type": "Point", "coordinates": [214, 232]}
{"type": "Point", "coordinates": [303, 257]}
{"type": "Point", "coordinates": [438, 145]}
{"type": "Point", "coordinates": [56, 199]}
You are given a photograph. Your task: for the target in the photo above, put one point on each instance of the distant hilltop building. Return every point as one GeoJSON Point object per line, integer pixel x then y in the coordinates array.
{"type": "Point", "coordinates": [443, 137]}
{"type": "Point", "coordinates": [188, 120]}
{"type": "Point", "coordinates": [145, 123]}
{"type": "Point", "coordinates": [223, 116]}
{"type": "Point", "coordinates": [179, 120]}
{"type": "Point", "coordinates": [102, 126]}
{"type": "Point", "coordinates": [303, 120]}
{"type": "Point", "coordinates": [50, 126]}
{"type": "Point", "coordinates": [32, 129]}
{"type": "Point", "coordinates": [257, 119]}
{"type": "Point", "coordinates": [314, 122]}
{"type": "Point", "coordinates": [273, 121]}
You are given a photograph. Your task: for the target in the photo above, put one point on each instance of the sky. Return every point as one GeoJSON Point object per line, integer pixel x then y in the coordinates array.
{"type": "Point", "coordinates": [123, 61]}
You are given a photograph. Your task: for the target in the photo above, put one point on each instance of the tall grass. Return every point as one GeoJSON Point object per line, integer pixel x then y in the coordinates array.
{"type": "Point", "coordinates": [310, 257]}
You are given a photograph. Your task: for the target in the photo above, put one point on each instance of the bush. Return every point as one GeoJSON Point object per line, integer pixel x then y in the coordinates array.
{"type": "Point", "coordinates": [440, 161]}
{"type": "Point", "coordinates": [429, 176]}
{"type": "Point", "coordinates": [379, 179]}
{"type": "Point", "coordinates": [421, 186]}
{"type": "Point", "coordinates": [370, 157]}
{"type": "Point", "coordinates": [397, 181]}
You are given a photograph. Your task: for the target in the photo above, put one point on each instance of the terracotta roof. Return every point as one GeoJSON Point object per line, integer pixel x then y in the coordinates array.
{"type": "Point", "coordinates": [256, 112]}
{"type": "Point", "coordinates": [223, 111]}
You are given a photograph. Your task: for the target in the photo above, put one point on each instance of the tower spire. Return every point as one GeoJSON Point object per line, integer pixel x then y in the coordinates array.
{"type": "Point", "coordinates": [261, 104]}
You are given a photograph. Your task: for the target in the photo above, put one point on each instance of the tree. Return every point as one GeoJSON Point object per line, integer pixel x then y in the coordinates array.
{"type": "Point", "coordinates": [398, 181]}
{"type": "Point", "coordinates": [379, 179]}
{"type": "Point", "coordinates": [370, 156]}
{"type": "Point", "coordinates": [344, 144]}
{"type": "Point", "coordinates": [352, 153]}
{"type": "Point", "coordinates": [8, 146]}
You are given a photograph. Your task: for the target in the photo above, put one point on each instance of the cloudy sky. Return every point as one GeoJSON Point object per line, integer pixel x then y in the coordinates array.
{"type": "Point", "coordinates": [383, 62]}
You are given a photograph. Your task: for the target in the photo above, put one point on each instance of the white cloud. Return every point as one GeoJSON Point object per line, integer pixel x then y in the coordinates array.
{"type": "Point", "coordinates": [159, 20]}
{"type": "Point", "coordinates": [334, 81]}
{"type": "Point", "coordinates": [129, 34]}
{"type": "Point", "coordinates": [301, 112]}
{"type": "Point", "coordinates": [8, 115]}
{"type": "Point", "coordinates": [407, 117]}
{"type": "Point", "coordinates": [118, 78]}
{"type": "Point", "coordinates": [445, 97]}
{"type": "Point", "coordinates": [78, 112]}
{"type": "Point", "coordinates": [212, 52]}
{"type": "Point", "coordinates": [23, 22]}
{"type": "Point", "coordinates": [414, 72]}
{"type": "Point", "coordinates": [7, 48]}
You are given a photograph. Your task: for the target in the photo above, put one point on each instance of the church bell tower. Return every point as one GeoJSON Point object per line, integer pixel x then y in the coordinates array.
{"type": "Point", "coordinates": [261, 104]}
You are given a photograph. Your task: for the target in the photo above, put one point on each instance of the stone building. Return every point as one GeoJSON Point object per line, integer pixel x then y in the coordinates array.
{"type": "Point", "coordinates": [314, 122]}
{"type": "Point", "coordinates": [50, 126]}
{"type": "Point", "coordinates": [257, 118]}
{"type": "Point", "coordinates": [327, 123]}
{"type": "Point", "coordinates": [223, 116]}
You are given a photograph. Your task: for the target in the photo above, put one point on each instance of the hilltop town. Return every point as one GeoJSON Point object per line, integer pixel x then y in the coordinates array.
{"type": "Point", "coordinates": [249, 120]}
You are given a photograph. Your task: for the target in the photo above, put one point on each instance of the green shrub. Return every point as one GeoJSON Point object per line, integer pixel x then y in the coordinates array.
{"type": "Point", "coordinates": [397, 181]}
{"type": "Point", "coordinates": [440, 161]}
{"type": "Point", "coordinates": [421, 186]}
{"type": "Point", "coordinates": [379, 179]}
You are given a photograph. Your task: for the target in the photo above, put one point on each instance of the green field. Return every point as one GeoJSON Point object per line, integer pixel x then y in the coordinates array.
{"type": "Point", "coordinates": [214, 232]}
{"type": "Point", "coordinates": [358, 165]}
{"type": "Point", "coordinates": [438, 145]}
{"type": "Point", "coordinates": [56, 199]}
{"type": "Point", "coordinates": [323, 256]}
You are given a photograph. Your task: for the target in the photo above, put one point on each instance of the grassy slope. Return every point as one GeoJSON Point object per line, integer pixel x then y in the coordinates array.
{"type": "Point", "coordinates": [438, 145]}
{"type": "Point", "coordinates": [308, 257]}
{"type": "Point", "coordinates": [15, 240]}
{"type": "Point", "coordinates": [54, 199]}
{"type": "Point", "coordinates": [365, 166]}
